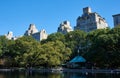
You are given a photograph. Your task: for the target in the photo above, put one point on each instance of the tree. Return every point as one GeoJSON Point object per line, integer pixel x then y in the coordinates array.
{"type": "Point", "coordinates": [54, 37]}
{"type": "Point", "coordinates": [4, 43]}
{"type": "Point", "coordinates": [23, 48]}
{"type": "Point", "coordinates": [0, 49]}
{"type": "Point", "coordinates": [55, 53]}
{"type": "Point", "coordinates": [104, 48]}
{"type": "Point", "coordinates": [75, 40]}
{"type": "Point", "coordinates": [5, 55]}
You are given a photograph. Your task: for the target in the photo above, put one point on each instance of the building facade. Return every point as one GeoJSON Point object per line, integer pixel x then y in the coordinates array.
{"type": "Point", "coordinates": [116, 19]}
{"type": "Point", "coordinates": [33, 31]}
{"type": "Point", "coordinates": [9, 35]}
{"type": "Point", "coordinates": [90, 21]}
{"type": "Point", "coordinates": [64, 27]}
{"type": "Point", "coordinates": [40, 35]}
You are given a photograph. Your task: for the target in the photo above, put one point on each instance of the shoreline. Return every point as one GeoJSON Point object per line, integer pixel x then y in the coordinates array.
{"type": "Point", "coordinates": [53, 70]}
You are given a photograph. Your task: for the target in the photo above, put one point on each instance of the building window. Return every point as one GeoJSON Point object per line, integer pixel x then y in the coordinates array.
{"type": "Point", "coordinates": [99, 21]}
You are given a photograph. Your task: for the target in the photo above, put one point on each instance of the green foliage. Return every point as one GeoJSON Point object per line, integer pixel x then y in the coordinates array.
{"type": "Point", "coordinates": [0, 49]}
{"type": "Point", "coordinates": [56, 53]}
{"type": "Point", "coordinates": [26, 51]}
{"type": "Point", "coordinates": [104, 49]}
{"type": "Point", "coordinates": [75, 40]}
{"type": "Point", "coordinates": [101, 47]}
{"type": "Point", "coordinates": [4, 44]}
{"type": "Point", "coordinates": [54, 37]}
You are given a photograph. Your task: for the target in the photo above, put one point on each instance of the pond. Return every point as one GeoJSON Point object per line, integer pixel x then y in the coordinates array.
{"type": "Point", "coordinates": [17, 74]}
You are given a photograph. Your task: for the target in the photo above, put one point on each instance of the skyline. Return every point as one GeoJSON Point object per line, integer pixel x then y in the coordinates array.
{"type": "Point", "coordinates": [48, 14]}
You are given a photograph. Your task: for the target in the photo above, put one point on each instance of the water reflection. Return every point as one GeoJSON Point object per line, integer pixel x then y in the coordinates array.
{"type": "Point", "coordinates": [17, 74]}
{"type": "Point", "coordinates": [74, 75]}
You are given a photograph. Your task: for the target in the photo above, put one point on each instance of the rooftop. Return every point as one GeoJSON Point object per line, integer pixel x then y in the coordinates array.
{"type": "Point", "coordinates": [116, 15]}
{"type": "Point", "coordinates": [78, 59]}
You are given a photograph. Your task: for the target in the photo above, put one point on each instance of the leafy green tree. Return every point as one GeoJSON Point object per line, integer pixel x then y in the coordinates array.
{"type": "Point", "coordinates": [22, 48]}
{"type": "Point", "coordinates": [5, 55]}
{"type": "Point", "coordinates": [55, 53]}
{"type": "Point", "coordinates": [31, 56]}
{"type": "Point", "coordinates": [91, 36]}
{"type": "Point", "coordinates": [104, 50]}
{"type": "Point", "coordinates": [0, 49]}
{"type": "Point", "coordinates": [75, 40]}
{"type": "Point", "coordinates": [54, 37]}
{"type": "Point", "coordinates": [4, 43]}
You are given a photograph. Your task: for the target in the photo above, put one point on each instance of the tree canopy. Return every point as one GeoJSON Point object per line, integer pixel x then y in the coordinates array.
{"type": "Point", "coordinates": [101, 47]}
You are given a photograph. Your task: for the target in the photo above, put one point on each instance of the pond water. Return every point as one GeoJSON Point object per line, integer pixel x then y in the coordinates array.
{"type": "Point", "coordinates": [57, 75]}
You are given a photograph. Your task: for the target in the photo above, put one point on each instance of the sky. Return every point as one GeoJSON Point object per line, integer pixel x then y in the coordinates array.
{"type": "Point", "coordinates": [16, 15]}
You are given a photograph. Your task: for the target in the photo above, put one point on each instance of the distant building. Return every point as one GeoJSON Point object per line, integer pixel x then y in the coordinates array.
{"type": "Point", "coordinates": [15, 38]}
{"type": "Point", "coordinates": [116, 19]}
{"type": "Point", "coordinates": [65, 27]}
{"type": "Point", "coordinates": [90, 21]}
{"type": "Point", "coordinates": [40, 35]}
{"type": "Point", "coordinates": [33, 31]}
{"type": "Point", "coordinates": [9, 35]}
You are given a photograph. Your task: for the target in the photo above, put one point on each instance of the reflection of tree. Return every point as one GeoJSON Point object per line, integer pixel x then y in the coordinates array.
{"type": "Point", "coordinates": [74, 75]}
{"type": "Point", "coordinates": [55, 75]}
